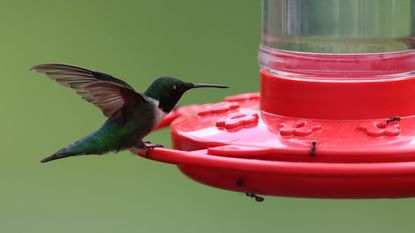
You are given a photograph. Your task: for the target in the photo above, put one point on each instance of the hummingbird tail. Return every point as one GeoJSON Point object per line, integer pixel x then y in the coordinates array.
{"type": "Point", "coordinates": [63, 153]}
{"type": "Point", "coordinates": [96, 143]}
{"type": "Point", "coordinates": [50, 158]}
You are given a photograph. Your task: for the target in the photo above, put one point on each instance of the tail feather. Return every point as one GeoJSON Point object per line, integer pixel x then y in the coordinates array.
{"type": "Point", "coordinates": [68, 152]}
{"type": "Point", "coordinates": [98, 142]}
{"type": "Point", "coordinates": [72, 150]}
{"type": "Point", "coordinates": [63, 153]}
{"type": "Point", "coordinates": [50, 158]}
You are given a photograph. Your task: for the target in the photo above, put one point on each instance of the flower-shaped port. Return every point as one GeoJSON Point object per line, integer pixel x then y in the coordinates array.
{"type": "Point", "coordinates": [378, 128]}
{"type": "Point", "coordinates": [217, 108]}
{"type": "Point", "coordinates": [299, 128]}
{"type": "Point", "coordinates": [238, 120]}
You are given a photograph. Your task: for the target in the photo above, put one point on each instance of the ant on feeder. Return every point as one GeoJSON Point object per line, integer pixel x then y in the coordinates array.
{"type": "Point", "coordinates": [239, 183]}
{"type": "Point", "coordinates": [393, 119]}
{"type": "Point", "coordinates": [253, 195]}
{"type": "Point", "coordinates": [313, 147]}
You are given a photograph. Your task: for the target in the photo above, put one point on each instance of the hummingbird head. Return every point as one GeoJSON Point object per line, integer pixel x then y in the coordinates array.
{"type": "Point", "coordinates": [168, 91]}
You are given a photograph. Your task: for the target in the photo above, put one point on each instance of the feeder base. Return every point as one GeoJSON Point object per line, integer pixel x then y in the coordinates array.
{"type": "Point", "coordinates": [232, 145]}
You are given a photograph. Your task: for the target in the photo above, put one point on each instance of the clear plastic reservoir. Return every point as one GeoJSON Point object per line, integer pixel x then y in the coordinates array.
{"type": "Point", "coordinates": [338, 38]}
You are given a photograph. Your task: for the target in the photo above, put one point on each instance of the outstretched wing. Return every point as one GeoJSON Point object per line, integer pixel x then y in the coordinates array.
{"type": "Point", "coordinates": [114, 97]}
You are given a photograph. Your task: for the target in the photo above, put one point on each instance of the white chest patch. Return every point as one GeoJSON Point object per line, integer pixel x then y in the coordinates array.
{"type": "Point", "coordinates": [158, 113]}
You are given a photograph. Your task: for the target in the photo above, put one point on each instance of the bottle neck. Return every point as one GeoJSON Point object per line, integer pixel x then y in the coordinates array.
{"type": "Point", "coordinates": [368, 66]}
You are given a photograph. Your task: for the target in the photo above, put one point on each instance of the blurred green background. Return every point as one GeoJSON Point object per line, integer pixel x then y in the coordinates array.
{"type": "Point", "coordinates": [200, 41]}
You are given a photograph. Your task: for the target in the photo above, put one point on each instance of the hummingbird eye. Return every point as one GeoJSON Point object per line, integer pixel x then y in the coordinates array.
{"type": "Point", "coordinates": [174, 87]}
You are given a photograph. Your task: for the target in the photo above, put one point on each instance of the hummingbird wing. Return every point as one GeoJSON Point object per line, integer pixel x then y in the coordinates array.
{"type": "Point", "coordinates": [114, 97]}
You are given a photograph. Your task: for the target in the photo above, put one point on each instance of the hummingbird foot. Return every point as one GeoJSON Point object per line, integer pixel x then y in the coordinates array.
{"type": "Point", "coordinates": [150, 147]}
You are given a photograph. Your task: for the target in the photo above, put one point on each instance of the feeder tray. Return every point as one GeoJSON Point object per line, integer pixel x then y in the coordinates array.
{"type": "Point", "coordinates": [233, 145]}
{"type": "Point", "coordinates": [335, 116]}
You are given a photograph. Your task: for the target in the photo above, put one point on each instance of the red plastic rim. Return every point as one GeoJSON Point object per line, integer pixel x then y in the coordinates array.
{"type": "Point", "coordinates": [294, 179]}
{"type": "Point", "coordinates": [202, 158]}
{"type": "Point", "coordinates": [233, 145]}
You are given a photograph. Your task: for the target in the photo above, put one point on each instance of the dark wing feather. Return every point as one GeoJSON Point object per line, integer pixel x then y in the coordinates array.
{"type": "Point", "coordinates": [74, 76]}
{"type": "Point", "coordinates": [113, 96]}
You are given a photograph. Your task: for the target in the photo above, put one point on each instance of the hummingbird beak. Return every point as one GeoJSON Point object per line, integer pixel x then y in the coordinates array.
{"type": "Point", "coordinates": [197, 85]}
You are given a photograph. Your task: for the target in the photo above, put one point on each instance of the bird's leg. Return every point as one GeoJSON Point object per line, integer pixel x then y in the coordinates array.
{"type": "Point", "coordinates": [149, 146]}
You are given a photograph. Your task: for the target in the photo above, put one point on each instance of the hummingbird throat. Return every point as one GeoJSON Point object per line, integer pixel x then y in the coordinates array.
{"type": "Point", "coordinates": [159, 113]}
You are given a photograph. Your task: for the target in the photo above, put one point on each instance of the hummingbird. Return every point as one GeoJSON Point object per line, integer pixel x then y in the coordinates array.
{"type": "Point", "coordinates": [131, 115]}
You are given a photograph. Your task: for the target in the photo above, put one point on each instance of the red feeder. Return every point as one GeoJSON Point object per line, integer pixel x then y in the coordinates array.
{"type": "Point", "coordinates": [336, 114]}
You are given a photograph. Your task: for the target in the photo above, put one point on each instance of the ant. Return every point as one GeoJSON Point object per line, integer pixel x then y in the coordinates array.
{"type": "Point", "coordinates": [253, 195]}
{"type": "Point", "coordinates": [240, 183]}
{"type": "Point", "coordinates": [393, 119]}
{"type": "Point", "coordinates": [313, 147]}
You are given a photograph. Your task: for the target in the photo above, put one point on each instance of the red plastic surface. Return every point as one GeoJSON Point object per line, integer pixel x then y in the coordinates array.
{"type": "Point", "coordinates": [323, 126]}
{"type": "Point", "coordinates": [271, 155]}
{"type": "Point", "coordinates": [298, 179]}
